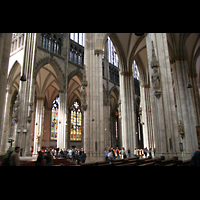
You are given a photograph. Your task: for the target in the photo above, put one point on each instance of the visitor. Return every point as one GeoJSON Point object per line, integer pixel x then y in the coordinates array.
{"type": "Point", "coordinates": [40, 160]}
{"type": "Point", "coordinates": [117, 152]}
{"type": "Point", "coordinates": [110, 156]}
{"type": "Point", "coordinates": [113, 151]}
{"type": "Point", "coordinates": [70, 154]}
{"type": "Point", "coordinates": [83, 157]}
{"type": "Point", "coordinates": [135, 152]}
{"type": "Point", "coordinates": [129, 152]}
{"type": "Point", "coordinates": [145, 151]}
{"type": "Point", "coordinates": [6, 160]}
{"type": "Point", "coordinates": [106, 153]}
{"type": "Point", "coordinates": [195, 161]}
{"type": "Point", "coordinates": [14, 158]}
{"type": "Point", "coordinates": [48, 159]}
{"type": "Point", "coordinates": [150, 153]}
{"type": "Point", "coordinates": [123, 153]}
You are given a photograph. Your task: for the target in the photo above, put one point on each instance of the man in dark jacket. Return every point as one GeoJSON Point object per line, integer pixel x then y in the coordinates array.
{"type": "Point", "coordinates": [83, 157]}
{"type": "Point", "coordinates": [195, 161]}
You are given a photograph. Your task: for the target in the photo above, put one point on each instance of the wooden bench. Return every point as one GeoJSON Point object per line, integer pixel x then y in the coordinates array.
{"type": "Point", "coordinates": [166, 162]}
{"type": "Point", "coordinates": [27, 163]}
{"type": "Point", "coordinates": [62, 161]}
{"type": "Point", "coordinates": [185, 163]}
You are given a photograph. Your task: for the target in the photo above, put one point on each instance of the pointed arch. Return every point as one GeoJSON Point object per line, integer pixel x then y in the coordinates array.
{"type": "Point", "coordinates": [56, 67]}
{"type": "Point", "coordinates": [14, 74]}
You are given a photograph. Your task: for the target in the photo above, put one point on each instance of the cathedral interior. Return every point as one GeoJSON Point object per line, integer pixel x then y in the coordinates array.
{"type": "Point", "coordinates": [100, 90]}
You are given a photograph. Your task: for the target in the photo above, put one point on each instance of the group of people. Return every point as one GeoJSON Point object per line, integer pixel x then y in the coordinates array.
{"type": "Point", "coordinates": [111, 153]}
{"type": "Point", "coordinates": [144, 152]}
{"type": "Point", "coordinates": [45, 159]}
{"type": "Point", "coordinates": [74, 154]}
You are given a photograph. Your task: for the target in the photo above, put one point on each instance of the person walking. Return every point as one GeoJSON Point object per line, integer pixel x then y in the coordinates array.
{"type": "Point", "coordinates": [14, 158]}
{"type": "Point", "coordinates": [195, 161]}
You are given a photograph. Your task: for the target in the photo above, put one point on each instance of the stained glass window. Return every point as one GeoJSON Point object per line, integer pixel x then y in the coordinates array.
{"type": "Point", "coordinates": [135, 71]}
{"type": "Point", "coordinates": [112, 54]}
{"type": "Point", "coordinates": [76, 122]}
{"type": "Point", "coordinates": [54, 119]}
{"type": "Point", "coordinates": [78, 37]}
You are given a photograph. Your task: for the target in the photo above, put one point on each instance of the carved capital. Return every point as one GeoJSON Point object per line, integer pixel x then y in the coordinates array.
{"type": "Point", "coordinates": [98, 51]}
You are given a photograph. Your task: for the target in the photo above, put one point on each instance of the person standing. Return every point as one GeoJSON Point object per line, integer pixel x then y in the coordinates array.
{"type": "Point", "coordinates": [110, 156]}
{"type": "Point", "coordinates": [129, 152]}
{"type": "Point", "coordinates": [40, 159]}
{"type": "Point", "coordinates": [117, 152]}
{"type": "Point", "coordinates": [14, 158]}
{"type": "Point", "coordinates": [83, 157]}
{"type": "Point", "coordinates": [150, 153]}
{"type": "Point", "coordinates": [135, 152]}
{"type": "Point", "coordinates": [106, 153]}
{"type": "Point", "coordinates": [195, 161]}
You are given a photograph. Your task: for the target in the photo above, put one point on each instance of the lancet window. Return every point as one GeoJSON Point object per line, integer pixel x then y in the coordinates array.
{"type": "Point", "coordinates": [76, 122]}
{"type": "Point", "coordinates": [51, 42]}
{"type": "Point", "coordinates": [54, 119]}
{"type": "Point", "coordinates": [135, 71]}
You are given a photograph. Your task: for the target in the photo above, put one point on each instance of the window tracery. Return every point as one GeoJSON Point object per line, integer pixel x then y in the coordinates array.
{"type": "Point", "coordinates": [51, 42]}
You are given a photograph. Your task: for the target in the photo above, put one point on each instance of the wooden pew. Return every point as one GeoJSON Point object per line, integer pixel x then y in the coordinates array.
{"type": "Point", "coordinates": [166, 162]}
{"type": "Point", "coordinates": [185, 163]}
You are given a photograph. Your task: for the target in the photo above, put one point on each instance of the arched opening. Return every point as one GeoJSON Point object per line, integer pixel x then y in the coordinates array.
{"type": "Point", "coordinates": [114, 118]}
{"type": "Point", "coordinates": [12, 104]}
{"type": "Point", "coordinates": [75, 116]}
{"type": "Point", "coordinates": [45, 128]}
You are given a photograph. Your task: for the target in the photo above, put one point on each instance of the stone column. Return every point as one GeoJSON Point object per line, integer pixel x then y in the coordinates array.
{"type": "Point", "coordinates": [93, 116]}
{"type": "Point", "coordinates": [26, 94]}
{"type": "Point", "coordinates": [38, 125]}
{"type": "Point", "coordinates": [5, 44]}
{"type": "Point", "coordinates": [127, 111]}
{"type": "Point", "coordinates": [61, 122]}
{"type": "Point", "coordinates": [165, 122]}
{"type": "Point", "coordinates": [106, 105]}
{"type": "Point", "coordinates": [185, 108]}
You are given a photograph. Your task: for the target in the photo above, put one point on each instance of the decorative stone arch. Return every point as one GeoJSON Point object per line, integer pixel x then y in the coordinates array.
{"type": "Point", "coordinates": [115, 90]}
{"type": "Point", "coordinates": [56, 67]}
{"type": "Point", "coordinates": [10, 79]}
{"type": "Point", "coordinates": [77, 73]}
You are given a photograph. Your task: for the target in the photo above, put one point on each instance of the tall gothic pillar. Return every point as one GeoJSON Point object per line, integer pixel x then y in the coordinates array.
{"type": "Point", "coordinates": [26, 94]}
{"type": "Point", "coordinates": [164, 116]}
{"type": "Point", "coordinates": [127, 111]}
{"type": "Point", "coordinates": [93, 116]}
{"type": "Point", "coordinates": [38, 125]}
{"type": "Point", "coordinates": [5, 44]}
{"type": "Point", "coordinates": [185, 108]}
{"type": "Point", "coordinates": [106, 105]}
{"type": "Point", "coordinates": [61, 141]}
{"type": "Point", "coordinates": [146, 117]}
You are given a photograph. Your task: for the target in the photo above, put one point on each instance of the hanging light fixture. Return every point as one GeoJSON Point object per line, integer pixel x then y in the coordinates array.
{"type": "Point", "coordinates": [23, 77]}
